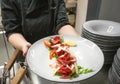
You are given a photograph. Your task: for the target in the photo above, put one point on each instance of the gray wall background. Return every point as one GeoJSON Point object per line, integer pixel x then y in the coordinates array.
{"type": "Point", "coordinates": [110, 10]}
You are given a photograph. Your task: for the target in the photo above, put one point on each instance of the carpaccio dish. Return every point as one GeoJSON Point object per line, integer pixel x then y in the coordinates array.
{"type": "Point", "coordinates": [66, 63]}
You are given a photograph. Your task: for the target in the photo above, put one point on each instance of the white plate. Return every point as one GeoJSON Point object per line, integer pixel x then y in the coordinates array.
{"type": "Point", "coordinates": [88, 55]}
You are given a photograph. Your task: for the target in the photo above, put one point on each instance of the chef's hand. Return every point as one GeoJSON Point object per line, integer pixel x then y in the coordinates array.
{"type": "Point", "coordinates": [25, 48]}
{"type": "Point", "coordinates": [19, 42]}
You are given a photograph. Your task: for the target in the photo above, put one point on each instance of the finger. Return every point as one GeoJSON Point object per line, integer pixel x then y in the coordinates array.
{"type": "Point", "coordinates": [25, 50]}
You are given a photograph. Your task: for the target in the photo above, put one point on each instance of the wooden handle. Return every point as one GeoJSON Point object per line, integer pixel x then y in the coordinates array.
{"type": "Point", "coordinates": [12, 60]}
{"type": "Point", "coordinates": [19, 76]}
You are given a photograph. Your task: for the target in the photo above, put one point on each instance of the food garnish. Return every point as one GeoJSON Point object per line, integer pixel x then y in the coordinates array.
{"type": "Point", "coordinates": [70, 43]}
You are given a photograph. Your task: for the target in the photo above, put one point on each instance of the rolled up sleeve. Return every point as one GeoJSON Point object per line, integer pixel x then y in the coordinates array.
{"type": "Point", "coordinates": [10, 18]}
{"type": "Point", "coordinates": [62, 18]}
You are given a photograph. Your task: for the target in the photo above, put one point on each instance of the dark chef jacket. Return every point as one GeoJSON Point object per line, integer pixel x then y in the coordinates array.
{"type": "Point", "coordinates": [32, 18]}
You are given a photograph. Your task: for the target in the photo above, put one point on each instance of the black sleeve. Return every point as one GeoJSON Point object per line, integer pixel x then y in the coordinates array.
{"type": "Point", "coordinates": [10, 17]}
{"type": "Point", "coordinates": [62, 18]}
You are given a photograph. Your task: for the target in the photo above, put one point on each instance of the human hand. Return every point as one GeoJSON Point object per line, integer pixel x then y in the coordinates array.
{"type": "Point", "coordinates": [25, 48]}
{"type": "Point", "coordinates": [19, 42]}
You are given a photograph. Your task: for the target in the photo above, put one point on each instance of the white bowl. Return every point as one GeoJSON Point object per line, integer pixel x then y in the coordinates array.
{"type": "Point", "coordinates": [103, 27]}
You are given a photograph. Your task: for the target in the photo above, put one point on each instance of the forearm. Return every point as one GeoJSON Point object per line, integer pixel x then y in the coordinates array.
{"type": "Point", "coordinates": [19, 42]}
{"type": "Point", "coordinates": [67, 30]}
{"type": "Point", "coordinates": [62, 22]}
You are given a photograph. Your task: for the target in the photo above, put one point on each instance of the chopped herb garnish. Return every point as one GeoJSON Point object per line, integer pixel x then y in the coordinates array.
{"type": "Point", "coordinates": [82, 70]}
{"type": "Point", "coordinates": [49, 48]}
{"type": "Point", "coordinates": [56, 74]}
{"type": "Point", "coordinates": [74, 74]}
{"type": "Point", "coordinates": [56, 56]}
{"type": "Point", "coordinates": [79, 67]}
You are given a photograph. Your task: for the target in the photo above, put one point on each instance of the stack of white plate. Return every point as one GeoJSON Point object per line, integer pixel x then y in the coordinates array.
{"type": "Point", "coordinates": [106, 34]}
{"type": "Point", "coordinates": [114, 71]}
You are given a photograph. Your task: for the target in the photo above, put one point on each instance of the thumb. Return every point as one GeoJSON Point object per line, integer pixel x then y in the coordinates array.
{"type": "Point", "coordinates": [25, 49]}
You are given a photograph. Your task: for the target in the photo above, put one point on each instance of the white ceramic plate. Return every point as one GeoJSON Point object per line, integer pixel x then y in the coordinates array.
{"type": "Point", "coordinates": [88, 55]}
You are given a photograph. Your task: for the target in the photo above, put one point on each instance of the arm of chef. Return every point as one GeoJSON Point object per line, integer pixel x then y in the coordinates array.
{"type": "Point", "coordinates": [62, 23]}
{"type": "Point", "coordinates": [11, 21]}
